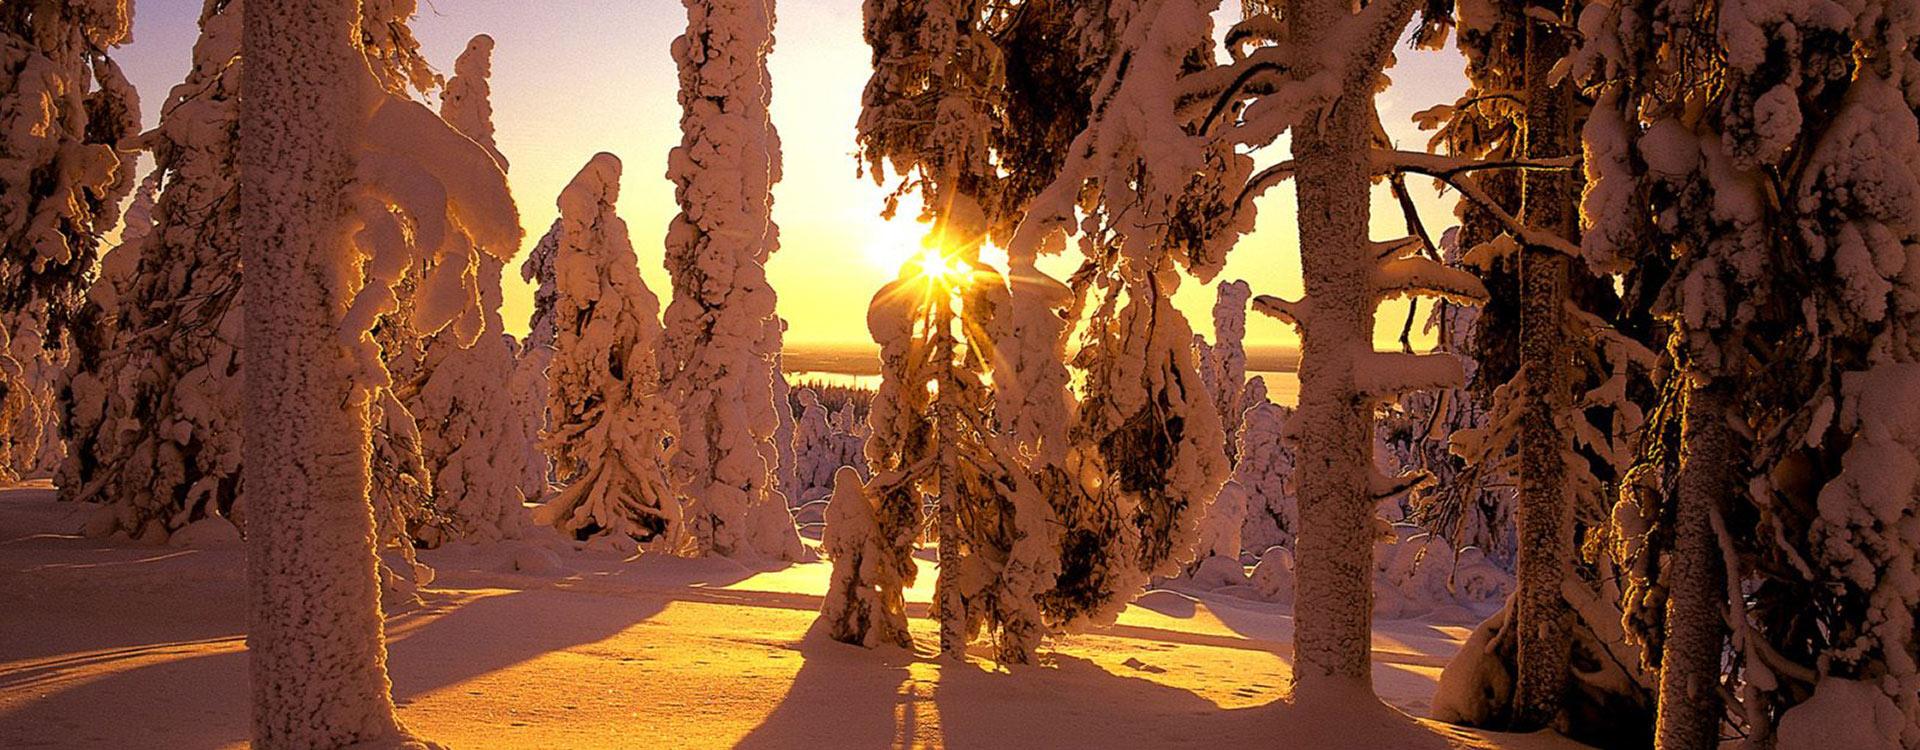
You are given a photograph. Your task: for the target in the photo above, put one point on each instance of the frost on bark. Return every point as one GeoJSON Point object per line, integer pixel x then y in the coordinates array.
{"type": "Point", "coordinates": [610, 430]}
{"type": "Point", "coordinates": [155, 415]}
{"type": "Point", "coordinates": [1544, 515]}
{"type": "Point", "coordinates": [1690, 705]}
{"type": "Point", "coordinates": [473, 439]}
{"type": "Point", "coordinates": [720, 349]}
{"type": "Point", "coordinates": [332, 167]}
{"type": "Point", "coordinates": [64, 105]}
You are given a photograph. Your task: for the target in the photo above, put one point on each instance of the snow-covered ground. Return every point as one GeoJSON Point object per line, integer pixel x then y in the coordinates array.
{"type": "Point", "coordinates": [111, 644]}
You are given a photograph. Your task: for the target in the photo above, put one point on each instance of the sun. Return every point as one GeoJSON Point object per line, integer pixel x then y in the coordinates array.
{"type": "Point", "coordinates": [939, 268]}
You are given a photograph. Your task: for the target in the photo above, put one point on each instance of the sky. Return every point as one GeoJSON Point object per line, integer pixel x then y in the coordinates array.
{"type": "Point", "coordinates": [572, 78]}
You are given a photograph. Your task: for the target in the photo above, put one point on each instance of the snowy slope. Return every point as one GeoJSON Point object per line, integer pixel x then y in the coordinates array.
{"type": "Point", "coordinates": [117, 645]}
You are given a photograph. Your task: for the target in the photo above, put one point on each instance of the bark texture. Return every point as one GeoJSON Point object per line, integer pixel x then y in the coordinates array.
{"type": "Point", "coordinates": [314, 633]}
{"type": "Point", "coordinates": [1690, 701]}
{"type": "Point", "coordinates": [1334, 562]}
{"type": "Point", "coordinates": [1544, 516]}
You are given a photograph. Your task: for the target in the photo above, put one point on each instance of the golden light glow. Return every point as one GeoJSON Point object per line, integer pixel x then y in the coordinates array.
{"type": "Point", "coordinates": [941, 269]}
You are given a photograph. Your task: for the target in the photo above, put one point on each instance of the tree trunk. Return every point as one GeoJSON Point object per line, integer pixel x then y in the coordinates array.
{"type": "Point", "coordinates": [1690, 703]}
{"type": "Point", "coordinates": [1544, 517]}
{"type": "Point", "coordinates": [1334, 554]}
{"type": "Point", "coordinates": [318, 655]}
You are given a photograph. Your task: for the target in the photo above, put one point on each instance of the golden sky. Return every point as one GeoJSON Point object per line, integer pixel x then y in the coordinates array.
{"type": "Point", "coordinates": [576, 77]}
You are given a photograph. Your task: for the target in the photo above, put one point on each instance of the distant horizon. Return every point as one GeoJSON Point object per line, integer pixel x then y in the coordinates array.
{"type": "Point", "coordinates": [853, 357]}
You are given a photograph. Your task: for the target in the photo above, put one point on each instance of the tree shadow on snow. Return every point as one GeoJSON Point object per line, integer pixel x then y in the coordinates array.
{"type": "Point", "coordinates": [848, 696]}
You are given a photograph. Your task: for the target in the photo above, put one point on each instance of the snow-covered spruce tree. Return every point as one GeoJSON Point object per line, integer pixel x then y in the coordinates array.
{"type": "Point", "coordinates": [815, 445]}
{"type": "Point", "coordinates": [871, 547]}
{"type": "Point", "coordinates": [1775, 159]}
{"type": "Point", "coordinates": [405, 508]}
{"type": "Point", "coordinates": [1265, 473]}
{"type": "Point", "coordinates": [786, 459]}
{"type": "Point", "coordinates": [473, 439]}
{"type": "Point", "coordinates": [64, 105]}
{"type": "Point", "coordinates": [719, 354]}
{"type": "Point", "coordinates": [1552, 348]}
{"type": "Point", "coordinates": [610, 430]}
{"type": "Point", "coordinates": [1225, 370]}
{"type": "Point", "coordinates": [535, 353]}
{"type": "Point", "coordinates": [331, 167]}
{"type": "Point", "coordinates": [155, 419]}
{"type": "Point", "coordinates": [1468, 504]}
{"type": "Point", "coordinates": [933, 436]}
{"type": "Point", "coordinates": [1145, 456]}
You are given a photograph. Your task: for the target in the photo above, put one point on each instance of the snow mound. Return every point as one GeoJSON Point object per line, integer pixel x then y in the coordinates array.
{"type": "Point", "coordinates": [212, 532]}
{"type": "Point", "coordinates": [1841, 713]}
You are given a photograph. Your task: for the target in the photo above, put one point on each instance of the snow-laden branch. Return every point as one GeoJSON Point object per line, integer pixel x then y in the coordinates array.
{"type": "Point", "coordinates": [1262, 181]}
{"type": "Point", "coordinates": [1416, 275]}
{"type": "Point", "coordinates": [1453, 172]}
{"type": "Point", "coordinates": [1286, 311]}
{"type": "Point", "coordinates": [1381, 375]}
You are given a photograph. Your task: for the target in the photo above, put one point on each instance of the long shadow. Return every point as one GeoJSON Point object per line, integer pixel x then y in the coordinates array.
{"type": "Point", "coordinates": [847, 696]}
{"type": "Point", "coordinates": [1074, 703]}
{"type": "Point", "coordinates": [180, 680]}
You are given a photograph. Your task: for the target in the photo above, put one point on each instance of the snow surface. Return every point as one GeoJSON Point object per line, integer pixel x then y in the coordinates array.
{"type": "Point", "coordinates": [531, 644]}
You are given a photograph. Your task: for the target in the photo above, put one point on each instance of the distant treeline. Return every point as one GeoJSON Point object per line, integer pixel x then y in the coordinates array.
{"type": "Point", "coordinates": [833, 396]}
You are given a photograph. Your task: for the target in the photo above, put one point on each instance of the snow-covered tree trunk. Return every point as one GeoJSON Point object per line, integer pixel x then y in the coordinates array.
{"type": "Point", "coordinates": [1333, 559]}
{"type": "Point", "coordinates": [1544, 515]}
{"type": "Point", "coordinates": [1690, 705]}
{"type": "Point", "coordinates": [719, 356]}
{"type": "Point", "coordinates": [314, 633]}
{"type": "Point", "coordinates": [611, 431]}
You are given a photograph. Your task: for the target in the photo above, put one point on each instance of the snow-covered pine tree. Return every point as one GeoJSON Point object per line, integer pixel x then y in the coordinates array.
{"type": "Point", "coordinates": [610, 430]}
{"type": "Point", "coordinates": [64, 105]}
{"type": "Point", "coordinates": [332, 166]}
{"type": "Point", "coordinates": [1772, 152]}
{"type": "Point", "coordinates": [719, 348]}
{"type": "Point", "coordinates": [472, 438]}
{"type": "Point", "coordinates": [155, 416]}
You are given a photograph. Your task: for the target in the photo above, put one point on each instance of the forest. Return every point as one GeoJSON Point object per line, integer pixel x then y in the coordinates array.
{"type": "Point", "coordinates": [1606, 430]}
